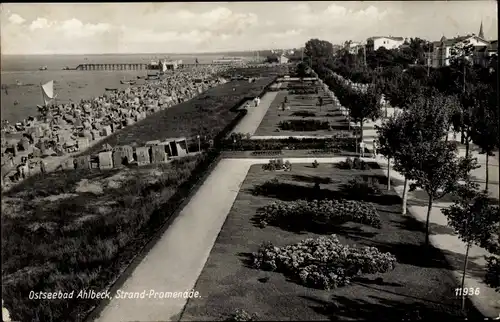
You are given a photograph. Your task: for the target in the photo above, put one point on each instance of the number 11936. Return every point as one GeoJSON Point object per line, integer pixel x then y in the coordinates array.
{"type": "Point", "coordinates": [467, 291]}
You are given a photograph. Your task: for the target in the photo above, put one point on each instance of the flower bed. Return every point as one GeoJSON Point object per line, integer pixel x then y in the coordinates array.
{"type": "Point", "coordinates": [355, 163]}
{"type": "Point", "coordinates": [303, 125]}
{"type": "Point", "coordinates": [323, 262]}
{"type": "Point", "coordinates": [276, 165]}
{"type": "Point", "coordinates": [326, 212]}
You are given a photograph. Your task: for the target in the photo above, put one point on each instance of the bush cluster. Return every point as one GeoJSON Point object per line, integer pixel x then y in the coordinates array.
{"type": "Point", "coordinates": [241, 315]}
{"type": "Point", "coordinates": [304, 91]}
{"type": "Point", "coordinates": [327, 212]}
{"type": "Point", "coordinates": [359, 189]}
{"type": "Point", "coordinates": [277, 164]}
{"type": "Point", "coordinates": [323, 262]}
{"type": "Point", "coordinates": [355, 163]}
{"type": "Point", "coordinates": [339, 141]}
{"type": "Point", "coordinates": [304, 114]}
{"type": "Point", "coordinates": [303, 125]}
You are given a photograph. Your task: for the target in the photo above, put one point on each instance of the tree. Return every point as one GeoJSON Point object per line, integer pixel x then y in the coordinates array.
{"type": "Point", "coordinates": [316, 48]}
{"type": "Point", "coordinates": [390, 139]}
{"type": "Point", "coordinates": [473, 219]}
{"type": "Point", "coordinates": [463, 117]}
{"type": "Point", "coordinates": [365, 105]}
{"type": "Point", "coordinates": [423, 121]}
{"type": "Point", "coordinates": [302, 70]}
{"type": "Point", "coordinates": [403, 90]}
{"type": "Point", "coordinates": [484, 128]}
{"type": "Point", "coordinates": [436, 168]}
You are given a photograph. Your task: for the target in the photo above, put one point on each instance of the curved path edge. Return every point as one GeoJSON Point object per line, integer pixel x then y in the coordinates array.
{"type": "Point", "coordinates": [175, 262]}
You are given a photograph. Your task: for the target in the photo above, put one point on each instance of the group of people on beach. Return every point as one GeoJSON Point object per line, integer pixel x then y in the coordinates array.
{"type": "Point", "coordinates": [139, 101]}
{"type": "Point", "coordinates": [122, 107]}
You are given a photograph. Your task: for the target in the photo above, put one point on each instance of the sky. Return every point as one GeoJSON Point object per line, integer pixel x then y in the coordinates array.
{"type": "Point", "coordinates": [98, 28]}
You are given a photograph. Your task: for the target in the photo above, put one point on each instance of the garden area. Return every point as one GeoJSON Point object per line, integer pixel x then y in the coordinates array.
{"type": "Point", "coordinates": [303, 108]}
{"type": "Point", "coordinates": [205, 115]}
{"type": "Point", "coordinates": [322, 242]}
{"type": "Point", "coordinates": [71, 230]}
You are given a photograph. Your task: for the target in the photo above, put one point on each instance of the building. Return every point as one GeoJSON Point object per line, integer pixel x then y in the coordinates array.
{"type": "Point", "coordinates": [283, 59]}
{"type": "Point", "coordinates": [374, 43]}
{"type": "Point", "coordinates": [442, 49]}
{"type": "Point", "coordinates": [353, 47]}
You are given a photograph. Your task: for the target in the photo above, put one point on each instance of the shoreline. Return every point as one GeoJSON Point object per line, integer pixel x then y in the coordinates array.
{"type": "Point", "coordinates": [178, 91]}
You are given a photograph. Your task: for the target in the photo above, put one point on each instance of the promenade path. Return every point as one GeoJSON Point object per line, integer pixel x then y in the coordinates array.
{"type": "Point", "coordinates": [255, 114]}
{"type": "Point", "coordinates": [177, 259]}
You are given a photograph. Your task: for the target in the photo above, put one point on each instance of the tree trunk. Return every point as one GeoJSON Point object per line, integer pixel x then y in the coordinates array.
{"type": "Point", "coordinates": [429, 208]}
{"type": "Point", "coordinates": [405, 196]}
{"type": "Point", "coordinates": [467, 145]}
{"type": "Point", "coordinates": [462, 135]}
{"type": "Point", "coordinates": [361, 133]}
{"type": "Point", "coordinates": [487, 172]}
{"type": "Point", "coordinates": [463, 274]}
{"type": "Point", "coordinates": [388, 174]}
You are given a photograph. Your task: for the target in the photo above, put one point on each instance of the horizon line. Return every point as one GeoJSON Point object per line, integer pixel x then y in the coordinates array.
{"type": "Point", "coordinates": [153, 53]}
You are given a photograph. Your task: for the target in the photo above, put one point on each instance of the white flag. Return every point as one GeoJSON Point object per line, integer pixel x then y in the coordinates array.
{"type": "Point", "coordinates": [48, 92]}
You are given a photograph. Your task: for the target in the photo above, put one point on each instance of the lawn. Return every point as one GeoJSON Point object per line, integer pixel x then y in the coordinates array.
{"type": "Point", "coordinates": [302, 108]}
{"type": "Point", "coordinates": [420, 281]}
{"type": "Point", "coordinates": [206, 115]}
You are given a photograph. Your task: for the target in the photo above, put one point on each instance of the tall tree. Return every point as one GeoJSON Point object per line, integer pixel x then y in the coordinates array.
{"type": "Point", "coordinates": [365, 105]}
{"type": "Point", "coordinates": [390, 137]}
{"type": "Point", "coordinates": [484, 129]}
{"type": "Point", "coordinates": [437, 169]}
{"type": "Point", "coordinates": [473, 218]}
{"type": "Point", "coordinates": [316, 48]}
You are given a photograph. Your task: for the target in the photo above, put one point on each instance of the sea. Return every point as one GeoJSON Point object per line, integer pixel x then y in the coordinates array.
{"type": "Point", "coordinates": [21, 78]}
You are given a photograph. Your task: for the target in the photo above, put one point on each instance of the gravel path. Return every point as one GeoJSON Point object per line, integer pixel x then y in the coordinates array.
{"type": "Point", "coordinates": [251, 121]}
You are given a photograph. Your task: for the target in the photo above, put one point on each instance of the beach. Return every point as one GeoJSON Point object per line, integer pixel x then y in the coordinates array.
{"type": "Point", "coordinates": [68, 84]}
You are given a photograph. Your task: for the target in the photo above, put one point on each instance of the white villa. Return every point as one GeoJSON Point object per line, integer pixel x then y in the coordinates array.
{"type": "Point", "coordinates": [483, 49]}
{"type": "Point", "coordinates": [374, 43]}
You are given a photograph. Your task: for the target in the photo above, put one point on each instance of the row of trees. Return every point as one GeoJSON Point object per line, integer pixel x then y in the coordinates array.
{"type": "Point", "coordinates": [417, 141]}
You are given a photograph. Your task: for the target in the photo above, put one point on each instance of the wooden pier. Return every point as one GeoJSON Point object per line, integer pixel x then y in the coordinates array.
{"type": "Point", "coordinates": [111, 67]}
{"type": "Point", "coordinates": [128, 66]}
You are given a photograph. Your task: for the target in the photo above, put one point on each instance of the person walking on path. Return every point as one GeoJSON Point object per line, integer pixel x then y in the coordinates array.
{"type": "Point", "coordinates": [362, 149]}
{"type": "Point", "coordinates": [374, 149]}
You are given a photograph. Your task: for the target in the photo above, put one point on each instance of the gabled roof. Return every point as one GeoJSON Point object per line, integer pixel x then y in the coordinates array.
{"type": "Point", "coordinates": [453, 41]}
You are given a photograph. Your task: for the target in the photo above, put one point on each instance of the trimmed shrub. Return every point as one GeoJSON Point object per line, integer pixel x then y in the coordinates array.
{"type": "Point", "coordinates": [303, 125]}
{"type": "Point", "coordinates": [355, 163]}
{"type": "Point", "coordinates": [337, 142]}
{"type": "Point", "coordinates": [322, 262]}
{"type": "Point", "coordinates": [277, 164]}
{"type": "Point", "coordinates": [304, 114]}
{"type": "Point", "coordinates": [327, 213]}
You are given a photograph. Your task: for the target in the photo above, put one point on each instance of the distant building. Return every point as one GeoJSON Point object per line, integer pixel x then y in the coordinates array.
{"type": "Point", "coordinates": [442, 49]}
{"type": "Point", "coordinates": [283, 59]}
{"type": "Point", "coordinates": [374, 43]}
{"type": "Point", "coordinates": [353, 47]}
